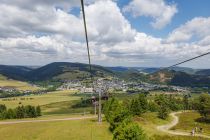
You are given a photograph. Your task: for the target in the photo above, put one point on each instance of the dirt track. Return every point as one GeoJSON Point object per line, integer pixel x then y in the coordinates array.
{"type": "Point", "coordinates": [49, 120]}
{"type": "Point", "coordinates": [166, 128]}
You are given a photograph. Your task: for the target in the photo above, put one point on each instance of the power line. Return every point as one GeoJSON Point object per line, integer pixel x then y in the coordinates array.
{"type": "Point", "coordinates": [86, 36]}
{"type": "Point", "coordinates": [186, 61]}
{"type": "Point", "coordinates": [88, 50]}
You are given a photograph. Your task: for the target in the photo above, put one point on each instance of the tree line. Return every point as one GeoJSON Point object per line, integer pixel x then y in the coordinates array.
{"type": "Point", "coordinates": [20, 112]}
{"type": "Point", "coordinates": [121, 124]}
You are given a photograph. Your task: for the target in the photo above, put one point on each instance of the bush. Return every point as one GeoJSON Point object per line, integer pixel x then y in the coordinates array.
{"type": "Point", "coordinates": [30, 111]}
{"type": "Point", "coordinates": [152, 106]}
{"type": "Point", "coordinates": [130, 131]}
{"type": "Point", "coordinates": [20, 112]}
{"type": "Point", "coordinates": [163, 112]}
{"type": "Point", "coordinates": [2, 108]}
{"type": "Point", "coordinates": [139, 105]}
{"type": "Point", "coordinates": [38, 111]}
{"type": "Point", "coordinates": [121, 124]}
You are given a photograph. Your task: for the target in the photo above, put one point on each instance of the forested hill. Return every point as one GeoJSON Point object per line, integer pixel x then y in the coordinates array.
{"type": "Point", "coordinates": [78, 71]}
{"type": "Point", "coordinates": [180, 79]}
{"type": "Point", "coordinates": [56, 70]}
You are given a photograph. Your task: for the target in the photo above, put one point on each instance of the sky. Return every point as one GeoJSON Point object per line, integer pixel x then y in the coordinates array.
{"type": "Point", "coordinates": [140, 33]}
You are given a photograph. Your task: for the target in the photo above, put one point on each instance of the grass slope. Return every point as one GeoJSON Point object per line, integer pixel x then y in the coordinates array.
{"type": "Point", "coordinates": [187, 121]}
{"type": "Point", "coordinates": [62, 130]}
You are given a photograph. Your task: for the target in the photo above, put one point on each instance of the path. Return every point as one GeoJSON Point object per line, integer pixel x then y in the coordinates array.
{"type": "Point", "coordinates": [48, 120]}
{"type": "Point", "coordinates": [166, 128]}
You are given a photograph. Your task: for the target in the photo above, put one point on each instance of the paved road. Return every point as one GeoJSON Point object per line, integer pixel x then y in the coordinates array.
{"type": "Point", "coordinates": [49, 120]}
{"type": "Point", "coordinates": [166, 128]}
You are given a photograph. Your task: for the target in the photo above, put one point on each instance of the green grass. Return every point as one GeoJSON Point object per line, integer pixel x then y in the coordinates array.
{"type": "Point", "coordinates": [149, 122]}
{"type": "Point", "coordinates": [165, 137]}
{"type": "Point", "coordinates": [187, 121]}
{"type": "Point", "coordinates": [52, 97]}
{"type": "Point", "coordinates": [2, 77]}
{"type": "Point", "coordinates": [23, 86]}
{"type": "Point", "coordinates": [64, 107]}
{"type": "Point", "coordinates": [62, 130]}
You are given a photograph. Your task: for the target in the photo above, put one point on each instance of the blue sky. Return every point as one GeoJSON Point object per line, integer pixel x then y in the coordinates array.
{"type": "Point", "coordinates": [149, 33]}
{"type": "Point", "coordinates": [188, 9]}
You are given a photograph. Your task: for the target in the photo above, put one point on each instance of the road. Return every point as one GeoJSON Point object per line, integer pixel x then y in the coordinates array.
{"type": "Point", "coordinates": [166, 128]}
{"type": "Point", "coordinates": [47, 120]}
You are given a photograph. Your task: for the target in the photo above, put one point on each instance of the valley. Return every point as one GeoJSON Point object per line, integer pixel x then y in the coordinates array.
{"type": "Point", "coordinates": [64, 92]}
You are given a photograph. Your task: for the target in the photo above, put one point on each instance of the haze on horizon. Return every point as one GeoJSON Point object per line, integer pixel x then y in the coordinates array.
{"type": "Point", "coordinates": [121, 33]}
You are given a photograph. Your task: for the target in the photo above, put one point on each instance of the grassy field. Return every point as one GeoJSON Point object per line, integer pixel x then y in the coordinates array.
{"type": "Point", "coordinates": [64, 107]}
{"type": "Point", "coordinates": [62, 130]}
{"type": "Point", "coordinates": [188, 121]}
{"type": "Point", "coordinates": [17, 84]}
{"type": "Point", "coordinates": [51, 97]}
{"type": "Point", "coordinates": [58, 102]}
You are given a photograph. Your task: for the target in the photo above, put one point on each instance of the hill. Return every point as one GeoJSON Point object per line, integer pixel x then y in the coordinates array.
{"type": "Point", "coordinates": [14, 72]}
{"type": "Point", "coordinates": [56, 71]}
{"type": "Point", "coordinates": [172, 77]}
{"type": "Point", "coordinates": [203, 72]}
{"type": "Point", "coordinates": [163, 76]}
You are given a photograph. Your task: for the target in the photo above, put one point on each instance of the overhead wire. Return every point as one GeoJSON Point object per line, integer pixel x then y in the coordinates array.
{"type": "Point", "coordinates": [185, 61]}
{"type": "Point", "coordinates": [86, 37]}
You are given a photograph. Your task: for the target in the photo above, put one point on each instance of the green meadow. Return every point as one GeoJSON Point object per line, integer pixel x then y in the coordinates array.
{"type": "Point", "coordinates": [23, 86]}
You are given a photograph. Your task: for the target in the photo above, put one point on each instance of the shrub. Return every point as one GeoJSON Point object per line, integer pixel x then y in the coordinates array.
{"type": "Point", "coordinates": [130, 131]}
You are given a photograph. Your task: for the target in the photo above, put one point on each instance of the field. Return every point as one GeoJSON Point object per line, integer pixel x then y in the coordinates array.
{"type": "Point", "coordinates": [43, 99]}
{"type": "Point", "coordinates": [62, 130]}
{"type": "Point", "coordinates": [188, 121]}
{"type": "Point", "coordinates": [58, 102]}
{"type": "Point", "coordinates": [23, 86]}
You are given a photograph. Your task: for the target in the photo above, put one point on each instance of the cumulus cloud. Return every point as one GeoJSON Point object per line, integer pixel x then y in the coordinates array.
{"type": "Point", "coordinates": [107, 24]}
{"type": "Point", "coordinates": [196, 28]}
{"type": "Point", "coordinates": [40, 32]}
{"type": "Point", "coordinates": [159, 10]}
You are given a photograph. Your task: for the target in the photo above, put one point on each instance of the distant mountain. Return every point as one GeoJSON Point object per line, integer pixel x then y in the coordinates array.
{"type": "Point", "coordinates": [205, 72]}
{"type": "Point", "coordinates": [14, 72]}
{"type": "Point", "coordinates": [184, 69]}
{"type": "Point", "coordinates": [172, 77]}
{"type": "Point", "coordinates": [118, 69]}
{"type": "Point", "coordinates": [65, 71]}
{"type": "Point", "coordinates": [57, 71]}
{"type": "Point", "coordinates": [70, 71]}
{"type": "Point", "coordinates": [149, 70]}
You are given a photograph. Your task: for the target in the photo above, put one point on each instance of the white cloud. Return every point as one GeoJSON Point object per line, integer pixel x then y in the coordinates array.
{"type": "Point", "coordinates": [107, 24]}
{"type": "Point", "coordinates": [196, 28]}
{"type": "Point", "coordinates": [161, 12]}
{"type": "Point", "coordinates": [41, 34]}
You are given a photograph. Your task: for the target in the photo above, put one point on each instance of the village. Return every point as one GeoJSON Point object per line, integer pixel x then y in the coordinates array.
{"type": "Point", "coordinates": [116, 84]}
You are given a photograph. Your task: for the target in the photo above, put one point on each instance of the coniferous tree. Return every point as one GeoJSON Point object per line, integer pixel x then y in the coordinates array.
{"type": "Point", "coordinates": [38, 111]}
